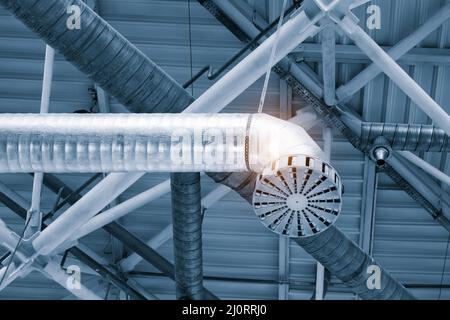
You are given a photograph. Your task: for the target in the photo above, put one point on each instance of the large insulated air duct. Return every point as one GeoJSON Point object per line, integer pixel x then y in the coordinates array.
{"type": "Point", "coordinates": [147, 142]}
{"type": "Point", "coordinates": [297, 193]}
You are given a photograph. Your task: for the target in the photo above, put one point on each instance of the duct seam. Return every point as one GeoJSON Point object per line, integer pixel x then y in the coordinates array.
{"type": "Point", "coordinates": [247, 142]}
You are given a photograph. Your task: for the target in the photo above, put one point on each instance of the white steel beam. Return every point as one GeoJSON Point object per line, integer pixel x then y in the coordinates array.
{"type": "Point", "coordinates": [425, 166]}
{"type": "Point", "coordinates": [400, 49]}
{"type": "Point", "coordinates": [136, 202]}
{"type": "Point", "coordinates": [320, 282]}
{"type": "Point", "coordinates": [34, 212]}
{"type": "Point", "coordinates": [252, 67]}
{"type": "Point", "coordinates": [9, 239]}
{"type": "Point", "coordinates": [47, 79]}
{"type": "Point", "coordinates": [329, 63]}
{"type": "Point", "coordinates": [239, 12]}
{"type": "Point", "coordinates": [122, 209]}
{"type": "Point", "coordinates": [284, 242]}
{"type": "Point", "coordinates": [368, 207]}
{"type": "Point", "coordinates": [283, 267]}
{"type": "Point", "coordinates": [78, 214]}
{"type": "Point", "coordinates": [129, 263]}
{"type": "Point", "coordinates": [396, 73]}
{"type": "Point", "coordinates": [429, 190]}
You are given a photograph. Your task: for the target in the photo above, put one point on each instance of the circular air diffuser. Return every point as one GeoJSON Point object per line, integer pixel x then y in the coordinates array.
{"type": "Point", "coordinates": [298, 196]}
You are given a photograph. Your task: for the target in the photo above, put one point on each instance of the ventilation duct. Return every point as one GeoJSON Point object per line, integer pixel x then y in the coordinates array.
{"type": "Point", "coordinates": [411, 137]}
{"type": "Point", "coordinates": [187, 235]}
{"type": "Point", "coordinates": [147, 142]}
{"type": "Point", "coordinates": [333, 249]}
{"type": "Point", "coordinates": [297, 193]}
{"type": "Point", "coordinates": [345, 260]}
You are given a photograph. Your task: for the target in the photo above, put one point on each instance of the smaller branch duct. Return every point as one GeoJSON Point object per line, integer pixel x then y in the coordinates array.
{"type": "Point", "coordinates": [411, 137]}
{"type": "Point", "coordinates": [187, 235]}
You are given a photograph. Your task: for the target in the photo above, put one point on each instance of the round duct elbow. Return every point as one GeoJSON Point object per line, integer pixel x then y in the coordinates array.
{"type": "Point", "coordinates": [298, 196]}
{"type": "Point", "coordinates": [271, 139]}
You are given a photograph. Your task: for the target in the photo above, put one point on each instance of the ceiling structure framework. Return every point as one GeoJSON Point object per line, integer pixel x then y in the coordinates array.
{"type": "Point", "coordinates": [366, 79]}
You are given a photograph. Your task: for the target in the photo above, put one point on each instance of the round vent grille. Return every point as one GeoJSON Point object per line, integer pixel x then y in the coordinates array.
{"type": "Point", "coordinates": [298, 196]}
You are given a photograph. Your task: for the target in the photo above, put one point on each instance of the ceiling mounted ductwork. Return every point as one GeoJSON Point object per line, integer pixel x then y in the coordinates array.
{"type": "Point", "coordinates": [148, 142]}
{"type": "Point", "coordinates": [297, 193]}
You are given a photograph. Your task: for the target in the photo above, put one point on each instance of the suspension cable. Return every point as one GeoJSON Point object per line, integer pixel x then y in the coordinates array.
{"type": "Point", "coordinates": [272, 57]}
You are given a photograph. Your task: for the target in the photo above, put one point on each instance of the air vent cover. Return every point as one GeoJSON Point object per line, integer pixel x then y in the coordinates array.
{"type": "Point", "coordinates": [298, 196]}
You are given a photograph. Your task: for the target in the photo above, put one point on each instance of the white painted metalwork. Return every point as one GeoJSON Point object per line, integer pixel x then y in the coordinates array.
{"type": "Point", "coordinates": [425, 166]}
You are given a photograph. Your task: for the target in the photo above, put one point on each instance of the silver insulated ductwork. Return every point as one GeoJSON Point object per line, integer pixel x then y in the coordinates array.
{"type": "Point", "coordinates": [187, 235]}
{"type": "Point", "coordinates": [147, 142]}
{"type": "Point", "coordinates": [297, 193]}
{"type": "Point", "coordinates": [411, 137]}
